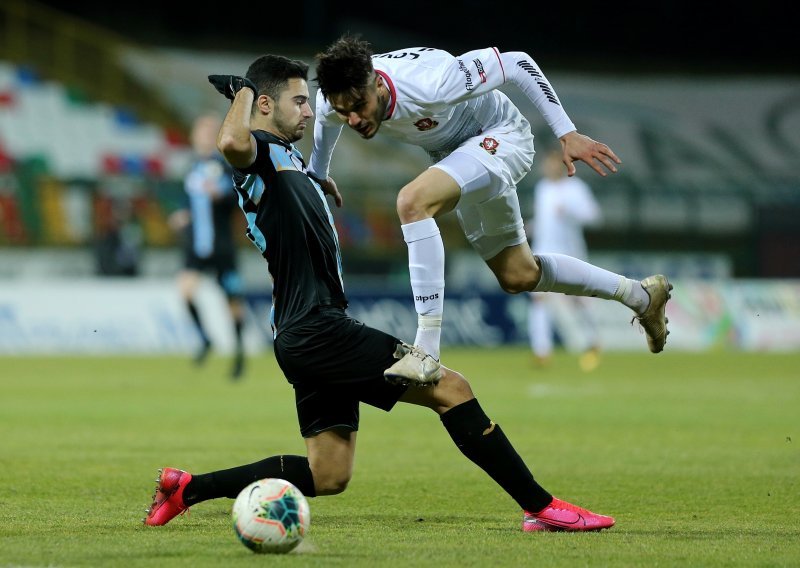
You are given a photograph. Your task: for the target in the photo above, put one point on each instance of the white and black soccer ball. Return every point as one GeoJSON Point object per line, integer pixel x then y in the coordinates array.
{"type": "Point", "coordinates": [271, 516]}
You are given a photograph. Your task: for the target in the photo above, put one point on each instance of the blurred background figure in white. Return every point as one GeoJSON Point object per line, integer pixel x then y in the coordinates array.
{"type": "Point", "coordinates": [562, 207]}
{"type": "Point", "coordinates": [206, 225]}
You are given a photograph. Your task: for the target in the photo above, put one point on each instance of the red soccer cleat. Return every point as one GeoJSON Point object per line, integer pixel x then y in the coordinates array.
{"type": "Point", "coordinates": [168, 498]}
{"type": "Point", "coordinates": [562, 516]}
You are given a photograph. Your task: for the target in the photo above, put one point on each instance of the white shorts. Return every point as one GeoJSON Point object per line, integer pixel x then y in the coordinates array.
{"type": "Point", "coordinates": [487, 168]}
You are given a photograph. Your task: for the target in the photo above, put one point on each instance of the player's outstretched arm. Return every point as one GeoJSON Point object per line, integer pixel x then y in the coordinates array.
{"type": "Point", "coordinates": [596, 155]}
{"type": "Point", "coordinates": [522, 70]}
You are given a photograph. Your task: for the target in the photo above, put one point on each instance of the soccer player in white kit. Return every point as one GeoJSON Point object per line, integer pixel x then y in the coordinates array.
{"type": "Point", "coordinates": [481, 146]}
{"type": "Point", "coordinates": [562, 207]}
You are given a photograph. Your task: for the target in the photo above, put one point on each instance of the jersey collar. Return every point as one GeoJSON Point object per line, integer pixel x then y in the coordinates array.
{"type": "Point", "coordinates": [392, 93]}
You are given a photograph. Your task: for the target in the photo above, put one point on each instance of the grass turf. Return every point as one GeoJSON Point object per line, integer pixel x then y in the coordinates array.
{"type": "Point", "coordinates": [696, 455]}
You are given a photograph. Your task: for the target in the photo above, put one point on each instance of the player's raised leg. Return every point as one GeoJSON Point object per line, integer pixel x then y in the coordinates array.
{"type": "Point", "coordinates": [519, 270]}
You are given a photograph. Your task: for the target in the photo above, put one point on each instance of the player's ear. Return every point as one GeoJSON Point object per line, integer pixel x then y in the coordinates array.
{"type": "Point", "coordinates": [265, 103]}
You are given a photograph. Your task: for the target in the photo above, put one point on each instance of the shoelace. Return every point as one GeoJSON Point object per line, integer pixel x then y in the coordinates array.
{"type": "Point", "coordinates": [419, 354]}
{"type": "Point", "coordinates": [641, 325]}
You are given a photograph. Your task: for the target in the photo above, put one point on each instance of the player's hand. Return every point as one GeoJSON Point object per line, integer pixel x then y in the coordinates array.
{"type": "Point", "coordinates": [329, 188]}
{"type": "Point", "coordinates": [596, 155]}
{"type": "Point", "coordinates": [229, 85]}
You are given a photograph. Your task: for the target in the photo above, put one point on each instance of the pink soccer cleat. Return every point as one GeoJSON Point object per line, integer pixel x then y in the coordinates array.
{"type": "Point", "coordinates": [562, 516]}
{"type": "Point", "coordinates": [168, 498]}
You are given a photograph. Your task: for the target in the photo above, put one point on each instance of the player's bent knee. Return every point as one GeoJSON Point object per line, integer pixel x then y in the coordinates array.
{"type": "Point", "coordinates": [515, 287]}
{"type": "Point", "coordinates": [411, 205]}
{"type": "Point", "coordinates": [517, 270]}
{"type": "Point", "coordinates": [454, 389]}
{"type": "Point", "coordinates": [518, 283]}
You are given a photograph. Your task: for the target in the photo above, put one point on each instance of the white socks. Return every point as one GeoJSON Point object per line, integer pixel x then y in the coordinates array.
{"type": "Point", "coordinates": [426, 269]}
{"type": "Point", "coordinates": [569, 275]}
{"type": "Point", "coordinates": [429, 334]}
{"type": "Point", "coordinates": [560, 273]}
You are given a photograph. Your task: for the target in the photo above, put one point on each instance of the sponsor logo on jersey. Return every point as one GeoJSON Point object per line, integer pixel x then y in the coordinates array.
{"type": "Point", "coordinates": [426, 124]}
{"type": "Point", "coordinates": [468, 84]}
{"type": "Point", "coordinates": [479, 67]}
{"type": "Point", "coordinates": [490, 145]}
{"type": "Point", "coordinates": [424, 299]}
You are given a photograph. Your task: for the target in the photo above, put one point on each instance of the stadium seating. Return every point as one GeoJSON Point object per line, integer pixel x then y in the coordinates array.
{"type": "Point", "coordinates": [75, 136]}
{"type": "Point", "coordinates": [60, 153]}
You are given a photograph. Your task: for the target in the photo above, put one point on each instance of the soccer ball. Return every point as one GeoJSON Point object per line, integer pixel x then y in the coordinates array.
{"type": "Point", "coordinates": [271, 516]}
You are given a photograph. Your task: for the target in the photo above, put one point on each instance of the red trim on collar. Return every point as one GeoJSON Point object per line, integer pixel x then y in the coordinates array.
{"type": "Point", "coordinates": [392, 92]}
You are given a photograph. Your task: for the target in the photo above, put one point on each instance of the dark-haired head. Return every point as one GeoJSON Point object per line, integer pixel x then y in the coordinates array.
{"type": "Point", "coordinates": [271, 73]}
{"type": "Point", "coordinates": [282, 106]}
{"type": "Point", "coordinates": [345, 66]}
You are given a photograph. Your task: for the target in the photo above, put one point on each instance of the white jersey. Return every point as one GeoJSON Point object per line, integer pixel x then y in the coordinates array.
{"type": "Point", "coordinates": [439, 101]}
{"type": "Point", "coordinates": [562, 208]}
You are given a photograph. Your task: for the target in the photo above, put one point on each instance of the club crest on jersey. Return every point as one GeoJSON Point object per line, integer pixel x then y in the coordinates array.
{"type": "Point", "coordinates": [490, 145]}
{"type": "Point", "coordinates": [426, 124]}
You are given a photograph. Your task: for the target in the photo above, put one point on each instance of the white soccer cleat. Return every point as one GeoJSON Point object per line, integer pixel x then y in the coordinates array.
{"type": "Point", "coordinates": [653, 320]}
{"type": "Point", "coordinates": [414, 367]}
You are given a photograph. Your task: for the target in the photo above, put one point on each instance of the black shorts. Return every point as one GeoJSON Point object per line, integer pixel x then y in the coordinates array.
{"type": "Point", "coordinates": [335, 362]}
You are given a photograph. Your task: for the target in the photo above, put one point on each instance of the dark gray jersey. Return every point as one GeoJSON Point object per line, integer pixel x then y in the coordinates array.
{"type": "Point", "coordinates": [289, 221]}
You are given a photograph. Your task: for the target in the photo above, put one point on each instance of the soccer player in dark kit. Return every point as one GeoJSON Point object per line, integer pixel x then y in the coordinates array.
{"type": "Point", "coordinates": [205, 224]}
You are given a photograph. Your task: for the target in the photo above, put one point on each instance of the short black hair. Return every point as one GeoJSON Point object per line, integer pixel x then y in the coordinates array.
{"type": "Point", "coordinates": [271, 73]}
{"type": "Point", "coordinates": [345, 66]}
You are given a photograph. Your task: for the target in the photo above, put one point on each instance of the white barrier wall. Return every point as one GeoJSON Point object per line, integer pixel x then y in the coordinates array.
{"type": "Point", "coordinates": [146, 316]}
{"type": "Point", "coordinates": [97, 316]}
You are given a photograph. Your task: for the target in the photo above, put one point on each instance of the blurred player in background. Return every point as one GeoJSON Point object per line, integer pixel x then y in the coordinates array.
{"type": "Point", "coordinates": [207, 230]}
{"type": "Point", "coordinates": [481, 146]}
{"type": "Point", "coordinates": [562, 207]}
{"type": "Point", "coordinates": [333, 361]}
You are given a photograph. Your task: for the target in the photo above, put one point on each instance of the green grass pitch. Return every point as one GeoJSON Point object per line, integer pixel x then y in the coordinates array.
{"type": "Point", "coordinates": [696, 455]}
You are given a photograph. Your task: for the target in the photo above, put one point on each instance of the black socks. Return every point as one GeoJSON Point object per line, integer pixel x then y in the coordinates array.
{"type": "Point", "coordinates": [485, 444]}
{"type": "Point", "coordinates": [478, 438]}
{"type": "Point", "coordinates": [229, 482]}
{"type": "Point", "coordinates": [190, 305]}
